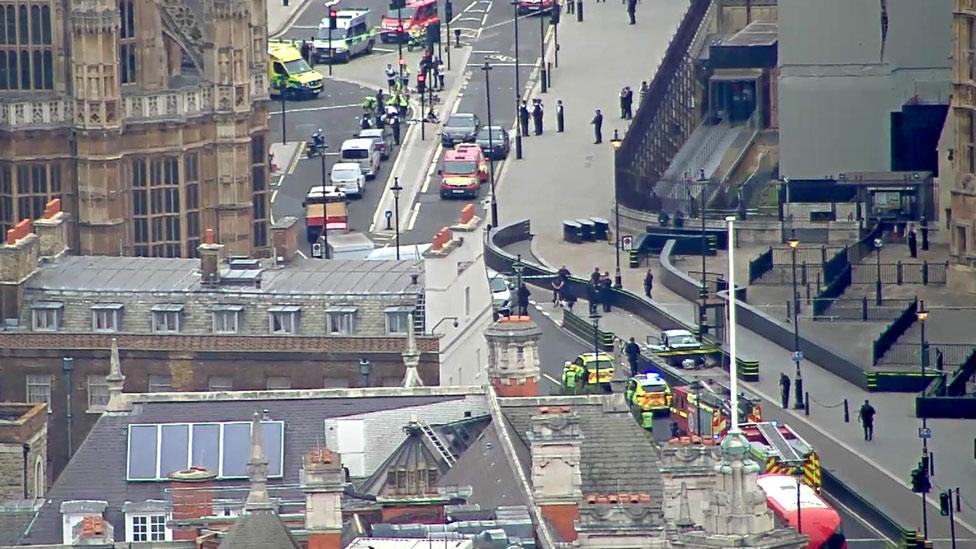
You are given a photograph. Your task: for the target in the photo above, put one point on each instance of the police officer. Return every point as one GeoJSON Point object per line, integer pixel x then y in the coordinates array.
{"type": "Point", "coordinates": [597, 127]}
{"type": "Point", "coordinates": [537, 116]}
{"type": "Point", "coordinates": [560, 121]}
{"type": "Point", "coordinates": [632, 11]}
{"type": "Point", "coordinates": [784, 385]}
{"type": "Point", "coordinates": [306, 51]}
{"type": "Point", "coordinates": [395, 124]}
{"type": "Point", "coordinates": [524, 118]}
{"type": "Point", "coordinates": [866, 413]}
{"type": "Point", "coordinates": [632, 350]}
{"type": "Point", "coordinates": [523, 294]}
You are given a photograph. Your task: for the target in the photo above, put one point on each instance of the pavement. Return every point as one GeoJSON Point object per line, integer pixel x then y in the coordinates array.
{"type": "Point", "coordinates": [566, 176]}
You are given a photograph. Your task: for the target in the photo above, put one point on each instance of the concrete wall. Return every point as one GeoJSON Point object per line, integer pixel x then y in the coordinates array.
{"type": "Point", "coordinates": [837, 90]}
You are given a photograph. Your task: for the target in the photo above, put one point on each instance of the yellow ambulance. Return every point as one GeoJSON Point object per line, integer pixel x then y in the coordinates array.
{"type": "Point", "coordinates": [289, 72]}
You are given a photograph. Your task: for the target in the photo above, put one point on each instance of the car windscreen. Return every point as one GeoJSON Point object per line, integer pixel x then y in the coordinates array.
{"type": "Point", "coordinates": [407, 13]}
{"type": "Point", "coordinates": [683, 340]}
{"type": "Point", "coordinates": [460, 122]}
{"type": "Point", "coordinates": [355, 154]}
{"type": "Point", "coordinates": [653, 387]}
{"type": "Point", "coordinates": [498, 284]}
{"type": "Point", "coordinates": [460, 167]}
{"type": "Point", "coordinates": [297, 66]}
{"type": "Point", "coordinates": [592, 365]}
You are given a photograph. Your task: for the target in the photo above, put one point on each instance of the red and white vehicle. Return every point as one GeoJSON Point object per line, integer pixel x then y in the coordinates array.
{"type": "Point", "coordinates": [535, 6]}
{"type": "Point", "coordinates": [818, 520]}
{"type": "Point", "coordinates": [417, 14]}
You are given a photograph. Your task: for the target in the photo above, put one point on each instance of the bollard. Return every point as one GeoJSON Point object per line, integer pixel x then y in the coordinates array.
{"type": "Point", "coordinates": [549, 72]}
{"type": "Point", "coordinates": [925, 272]}
{"type": "Point", "coordinates": [806, 404]}
{"type": "Point", "coordinates": [958, 501]}
{"type": "Point", "coordinates": [543, 79]}
{"type": "Point", "coordinates": [579, 11]}
{"type": "Point", "coordinates": [864, 308]}
{"type": "Point", "coordinates": [847, 412]}
{"type": "Point", "coordinates": [457, 38]}
{"type": "Point", "coordinates": [899, 272]}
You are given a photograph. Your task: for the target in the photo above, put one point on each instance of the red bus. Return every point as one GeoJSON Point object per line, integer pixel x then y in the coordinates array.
{"type": "Point", "coordinates": [819, 521]}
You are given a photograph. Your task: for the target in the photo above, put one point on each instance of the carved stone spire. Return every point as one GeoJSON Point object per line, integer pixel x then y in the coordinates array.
{"type": "Point", "coordinates": [411, 359]}
{"type": "Point", "coordinates": [115, 380]}
{"type": "Point", "coordinates": [257, 471]}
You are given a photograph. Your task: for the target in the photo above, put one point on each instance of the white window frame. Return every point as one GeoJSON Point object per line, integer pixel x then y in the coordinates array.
{"type": "Point", "coordinates": [226, 320]}
{"type": "Point", "coordinates": [106, 314]}
{"type": "Point", "coordinates": [47, 316]}
{"type": "Point", "coordinates": [341, 321]}
{"type": "Point", "coordinates": [166, 319]}
{"type": "Point", "coordinates": [287, 319]}
{"type": "Point", "coordinates": [152, 527]}
{"type": "Point", "coordinates": [397, 312]}
{"type": "Point", "coordinates": [95, 381]}
{"type": "Point", "coordinates": [35, 381]}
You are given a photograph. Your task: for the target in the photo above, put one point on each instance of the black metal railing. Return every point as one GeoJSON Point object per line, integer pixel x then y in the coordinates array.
{"type": "Point", "coordinates": [664, 119]}
{"type": "Point", "coordinates": [924, 273]}
{"type": "Point", "coordinates": [759, 266]}
{"type": "Point", "coordinates": [940, 354]}
{"type": "Point", "coordinates": [834, 289]}
{"type": "Point", "coordinates": [890, 335]}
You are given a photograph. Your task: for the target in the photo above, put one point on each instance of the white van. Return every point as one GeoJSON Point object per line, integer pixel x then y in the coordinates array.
{"type": "Point", "coordinates": [362, 152]}
{"type": "Point", "coordinates": [352, 36]}
{"type": "Point", "coordinates": [408, 252]}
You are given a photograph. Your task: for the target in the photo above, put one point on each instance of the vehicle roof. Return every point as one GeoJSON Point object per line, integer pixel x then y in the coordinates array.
{"type": "Point", "coordinates": [649, 377]}
{"type": "Point", "coordinates": [284, 52]}
{"type": "Point", "coordinates": [357, 143]}
{"type": "Point", "coordinates": [327, 190]}
{"type": "Point", "coordinates": [462, 116]}
{"type": "Point", "coordinates": [588, 357]}
{"type": "Point", "coordinates": [466, 153]}
{"type": "Point", "coordinates": [347, 166]}
{"type": "Point", "coordinates": [670, 333]}
{"type": "Point", "coordinates": [414, 3]}
{"type": "Point", "coordinates": [372, 132]}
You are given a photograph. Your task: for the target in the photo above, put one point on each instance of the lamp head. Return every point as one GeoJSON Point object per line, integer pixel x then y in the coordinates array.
{"type": "Point", "coordinates": [878, 243]}
{"type": "Point", "coordinates": [615, 141]}
{"type": "Point", "coordinates": [793, 241]}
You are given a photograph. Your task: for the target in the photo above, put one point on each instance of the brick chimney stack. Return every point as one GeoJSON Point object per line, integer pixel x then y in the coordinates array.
{"type": "Point", "coordinates": [324, 483]}
{"type": "Point", "coordinates": [52, 229]}
{"type": "Point", "coordinates": [19, 256]}
{"type": "Point", "coordinates": [513, 356]}
{"type": "Point", "coordinates": [210, 253]}
{"type": "Point", "coordinates": [192, 491]}
{"type": "Point", "coordinates": [555, 439]}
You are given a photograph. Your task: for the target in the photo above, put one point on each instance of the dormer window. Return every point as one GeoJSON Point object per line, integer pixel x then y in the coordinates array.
{"type": "Point", "coordinates": [46, 316]}
{"type": "Point", "coordinates": [148, 528]}
{"type": "Point", "coordinates": [166, 318]}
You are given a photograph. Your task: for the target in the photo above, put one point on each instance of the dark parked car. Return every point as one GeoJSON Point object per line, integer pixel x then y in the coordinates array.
{"type": "Point", "coordinates": [498, 146]}
{"type": "Point", "coordinates": [460, 128]}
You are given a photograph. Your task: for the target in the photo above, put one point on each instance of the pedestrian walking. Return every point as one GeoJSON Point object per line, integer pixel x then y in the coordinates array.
{"type": "Point", "coordinates": [912, 241]}
{"type": "Point", "coordinates": [623, 102]}
{"type": "Point", "coordinates": [643, 91]}
{"type": "Point", "coordinates": [306, 52]}
{"type": "Point", "coordinates": [632, 350]}
{"type": "Point", "coordinates": [784, 387]}
{"type": "Point", "coordinates": [593, 295]}
{"type": "Point", "coordinates": [629, 103]}
{"type": "Point", "coordinates": [648, 283]}
{"type": "Point", "coordinates": [866, 413]}
{"type": "Point", "coordinates": [380, 101]}
{"type": "Point", "coordinates": [537, 116]}
{"type": "Point", "coordinates": [440, 74]}
{"type": "Point", "coordinates": [632, 11]}
{"type": "Point", "coordinates": [560, 126]}
{"type": "Point", "coordinates": [391, 75]}
{"type": "Point", "coordinates": [597, 127]}
{"type": "Point", "coordinates": [524, 118]}
{"type": "Point", "coordinates": [523, 300]}
{"type": "Point", "coordinates": [395, 124]}
{"type": "Point", "coordinates": [605, 291]}
{"type": "Point", "coordinates": [595, 276]}
{"type": "Point", "coordinates": [557, 288]}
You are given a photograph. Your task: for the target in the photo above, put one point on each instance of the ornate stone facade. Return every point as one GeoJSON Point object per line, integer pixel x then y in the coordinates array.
{"type": "Point", "coordinates": [148, 119]}
{"type": "Point", "coordinates": [958, 157]}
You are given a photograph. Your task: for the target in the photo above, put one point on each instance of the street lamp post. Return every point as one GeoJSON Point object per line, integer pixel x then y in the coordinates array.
{"type": "Point", "coordinates": [325, 212]}
{"type": "Point", "coordinates": [798, 382]}
{"type": "Point", "coordinates": [878, 243]}
{"type": "Point", "coordinates": [518, 90]}
{"type": "Point", "coordinates": [703, 312]}
{"type": "Point", "coordinates": [922, 315]}
{"type": "Point", "coordinates": [448, 14]}
{"type": "Point", "coordinates": [595, 317]}
{"type": "Point", "coordinates": [68, 365]}
{"type": "Point", "coordinates": [615, 143]}
{"type": "Point", "coordinates": [491, 146]}
{"type": "Point", "coordinates": [396, 188]}
{"type": "Point", "coordinates": [284, 130]}
{"type": "Point", "coordinates": [542, 48]}
{"type": "Point", "coordinates": [798, 472]}
{"type": "Point", "coordinates": [698, 386]}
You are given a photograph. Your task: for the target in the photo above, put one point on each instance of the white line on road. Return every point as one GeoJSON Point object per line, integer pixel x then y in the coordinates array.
{"type": "Point", "coordinates": [301, 253]}
{"type": "Point", "coordinates": [305, 27]}
{"type": "Point", "coordinates": [312, 109]}
{"type": "Point", "coordinates": [274, 195]}
{"type": "Point", "coordinates": [414, 214]}
{"type": "Point", "coordinates": [552, 379]}
{"type": "Point", "coordinates": [862, 519]}
{"type": "Point", "coordinates": [485, 18]}
{"type": "Point", "coordinates": [430, 170]}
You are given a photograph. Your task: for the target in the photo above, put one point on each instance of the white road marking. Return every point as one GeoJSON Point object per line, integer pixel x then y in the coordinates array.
{"type": "Point", "coordinates": [301, 253]}
{"type": "Point", "coordinates": [313, 109]}
{"type": "Point", "coordinates": [273, 196]}
{"type": "Point", "coordinates": [430, 170]}
{"type": "Point", "coordinates": [862, 519]}
{"type": "Point", "coordinates": [414, 214]}
{"type": "Point", "coordinates": [305, 27]}
{"type": "Point", "coordinates": [552, 379]}
{"type": "Point", "coordinates": [485, 18]}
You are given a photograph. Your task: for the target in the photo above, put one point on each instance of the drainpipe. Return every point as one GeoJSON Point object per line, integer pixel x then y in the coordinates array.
{"type": "Point", "coordinates": [26, 451]}
{"type": "Point", "coordinates": [68, 364]}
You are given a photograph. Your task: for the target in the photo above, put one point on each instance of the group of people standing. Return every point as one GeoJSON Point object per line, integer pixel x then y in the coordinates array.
{"type": "Point", "coordinates": [536, 115]}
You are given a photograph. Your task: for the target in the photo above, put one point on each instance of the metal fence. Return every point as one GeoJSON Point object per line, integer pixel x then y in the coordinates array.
{"type": "Point", "coordinates": [924, 273]}
{"type": "Point", "coordinates": [759, 266]}
{"type": "Point", "coordinates": [837, 310]}
{"type": "Point", "coordinates": [781, 275]}
{"type": "Point", "coordinates": [910, 354]}
{"type": "Point", "coordinates": [804, 254]}
{"type": "Point", "coordinates": [890, 335]}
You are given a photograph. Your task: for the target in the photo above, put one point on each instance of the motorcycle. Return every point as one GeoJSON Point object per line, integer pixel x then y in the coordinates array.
{"type": "Point", "coordinates": [315, 146]}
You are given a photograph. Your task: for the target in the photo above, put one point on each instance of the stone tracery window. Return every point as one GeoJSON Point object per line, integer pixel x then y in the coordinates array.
{"type": "Point", "coordinates": [26, 46]}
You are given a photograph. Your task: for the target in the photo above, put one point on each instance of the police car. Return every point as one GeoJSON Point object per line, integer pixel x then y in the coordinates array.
{"type": "Point", "coordinates": [649, 395]}
{"type": "Point", "coordinates": [598, 369]}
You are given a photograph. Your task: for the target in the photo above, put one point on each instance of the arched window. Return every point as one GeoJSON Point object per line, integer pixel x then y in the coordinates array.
{"type": "Point", "coordinates": [39, 487]}
{"type": "Point", "coordinates": [26, 45]}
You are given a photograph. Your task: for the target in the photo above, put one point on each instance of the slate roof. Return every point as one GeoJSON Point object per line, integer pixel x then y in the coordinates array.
{"type": "Point", "coordinates": [15, 516]}
{"type": "Point", "coordinates": [97, 470]}
{"type": "Point", "coordinates": [486, 470]}
{"type": "Point", "coordinates": [155, 274]}
{"type": "Point", "coordinates": [259, 531]}
{"type": "Point", "coordinates": [618, 456]}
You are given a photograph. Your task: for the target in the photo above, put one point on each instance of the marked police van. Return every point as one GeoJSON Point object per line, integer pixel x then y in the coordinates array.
{"type": "Point", "coordinates": [350, 37]}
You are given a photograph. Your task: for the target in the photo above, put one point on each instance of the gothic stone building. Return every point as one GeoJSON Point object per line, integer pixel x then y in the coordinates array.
{"type": "Point", "coordinates": [148, 119]}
